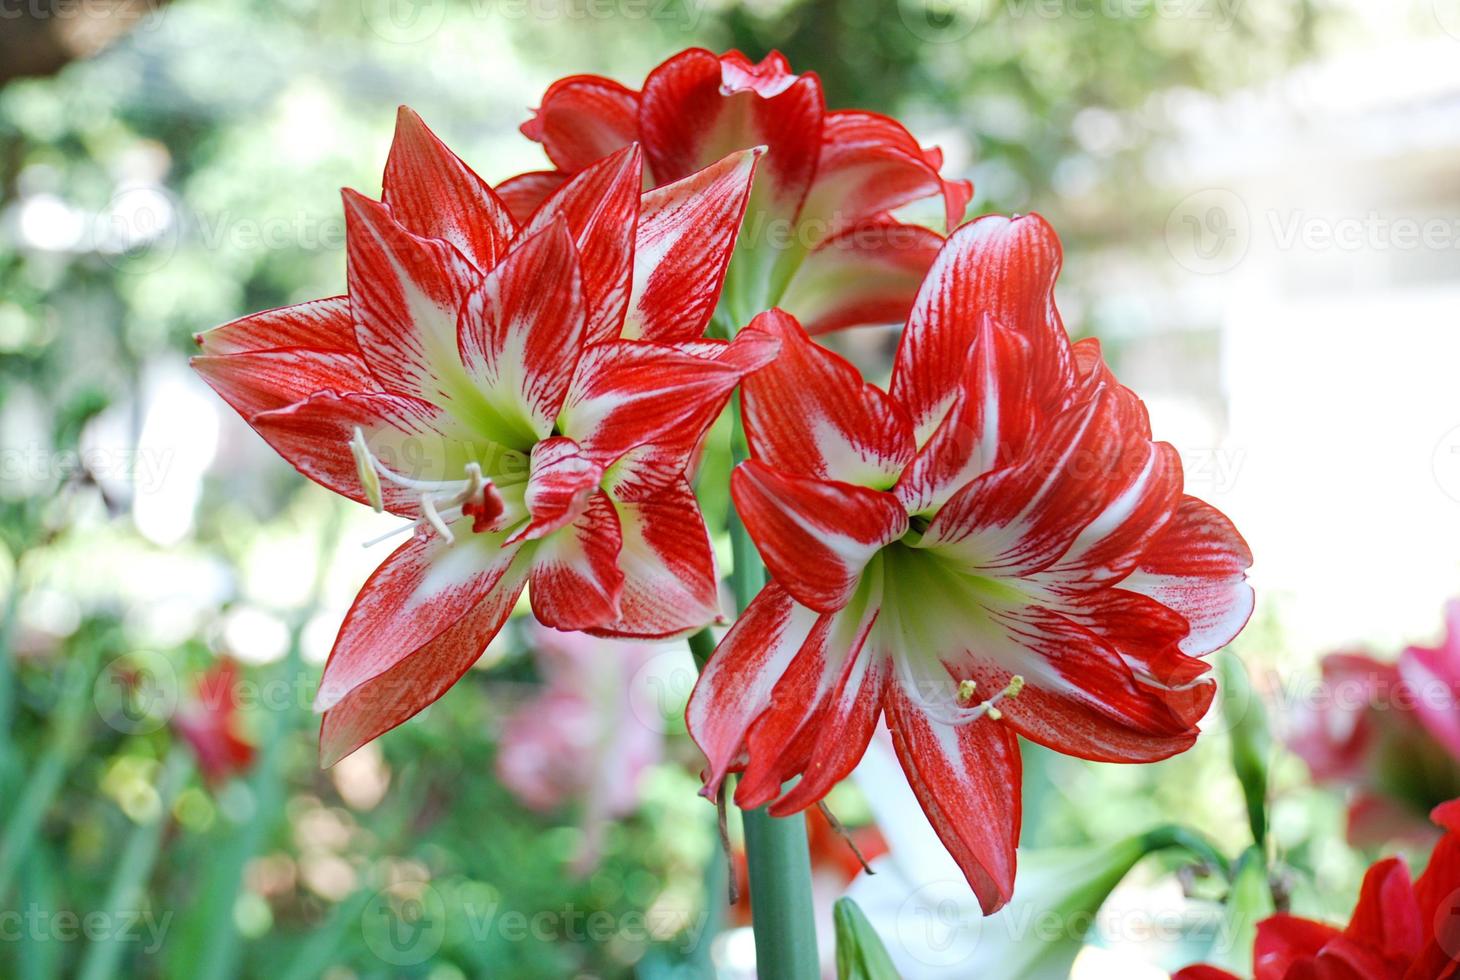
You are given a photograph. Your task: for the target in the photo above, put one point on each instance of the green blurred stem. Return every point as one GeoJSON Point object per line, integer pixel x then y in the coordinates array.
{"type": "Point", "coordinates": [775, 848]}
{"type": "Point", "coordinates": [8, 616]}
{"type": "Point", "coordinates": [135, 868]}
{"type": "Point", "coordinates": [44, 781]}
{"type": "Point", "coordinates": [1196, 844]}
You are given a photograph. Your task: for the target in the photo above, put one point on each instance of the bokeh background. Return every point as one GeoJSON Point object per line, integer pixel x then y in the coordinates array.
{"type": "Point", "coordinates": [1260, 204]}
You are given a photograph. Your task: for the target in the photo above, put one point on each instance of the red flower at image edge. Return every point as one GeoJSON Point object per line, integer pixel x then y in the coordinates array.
{"type": "Point", "coordinates": [477, 381]}
{"type": "Point", "coordinates": [1399, 930]}
{"type": "Point", "coordinates": [833, 231]}
{"type": "Point", "coordinates": [994, 547]}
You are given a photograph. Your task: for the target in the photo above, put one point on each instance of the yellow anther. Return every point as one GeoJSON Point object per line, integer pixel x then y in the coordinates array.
{"type": "Point", "coordinates": [1016, 684]}
{"type": "Point", "coordinates": [966, 689]}
{"type": "Point", "coordinates": [365, 468]}
{"type": "Point", "coordinates": [994, 713]}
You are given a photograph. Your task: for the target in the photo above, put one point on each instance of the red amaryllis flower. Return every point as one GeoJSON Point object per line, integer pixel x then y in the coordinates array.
{"type": "Point", "coordinates": [476, 381]}
{"type": "Point", "coordinates": [826, 234]}
{"type": "Point", "coordinates": [209, 723]}
{"type": "Point", "coordinates": [1387, 732]}
{"type": "Point", "coordinates": [1399, 930]}
{"type": "Point", "coordinates": [995, 547]}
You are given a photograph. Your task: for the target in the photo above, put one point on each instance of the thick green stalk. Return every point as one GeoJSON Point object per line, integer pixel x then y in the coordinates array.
{"type": "Point", "coordinates": [133, 869]}
{"type": "Point", "coordinates": [775, 848]}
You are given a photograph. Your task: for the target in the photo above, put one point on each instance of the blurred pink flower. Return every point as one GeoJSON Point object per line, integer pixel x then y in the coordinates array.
{"type": "Point", "coordinates": [209, 723]}
{"type": "Point", "coordinates": [580, 740]}
{"type": "Point", "coordinates": [1390, 732]}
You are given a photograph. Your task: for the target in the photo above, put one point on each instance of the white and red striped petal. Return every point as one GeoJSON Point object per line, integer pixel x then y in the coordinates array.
{"type": "Point", "coordinates": [989, 425]}
{"type": "Point", "coordinates": [670, 584]}
{"type": "Point", "coordinates": [432, 193]}
{"type": "Point", "coordinates": [815, 536]}
{"type": "Point", "coordinates": [993, 266]}
{"type": "Point", "coordinates": [601, 207]}
{"type": "Point", "coordinates": [421, 621]}
{"type": "Point", "coordinates": [561, 483]}
{"type": "Point", "coordinates": [320, 324]}
{"type": "Point", "coordinates": [582, 119]}
{"type": "Point", "coordinates": [866, 275]}
{"type": "Point", "coordinates": [521, 331]}
{"type": "Point", "coordinates": [696, 107]}
{"type": "Point", "coordinates": [810, 413]}
{"type": "Point", "coordinates": [425, 587]}
{"type": "Point", "coordinates": [576, 582]}
{"type": "Point", "coordinates": [685, 236]}
{"type": "Point", "coordinates": [629, 393]}
{"type": "Point", "coordinates": [524, 194]}
{"type": "Point", "coordinates": [869, 164]}
{"type": "Point", "coordinates": [1197, 566]}
{"type": "Point", "coordinates": [736, 685]}
{"type": "Point", "coordinates": [967, 778]}
{"type": "Point", "coordinates": [263, 380]}
{"type": "Point", "coordinates": [405, 292]}
{"type": "Point", "coordinates": [407, 435]}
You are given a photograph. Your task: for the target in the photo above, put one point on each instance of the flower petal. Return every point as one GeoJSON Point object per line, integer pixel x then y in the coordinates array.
{"type": "Point", "coordinates": [260, 381]}
{"type": "Point", "coordinates": [736, 684]}
{"type": "Point", "coordinates": [560, 485]}
{"type": "Point", "coordinates": [524, 194]}
{"type": "Point", "coordinates": [815, 537]}
{"type": "Point", "coordinates": [1197, 566]}
{"type": "Point", "coordinates": [867, 274]}
{"type": "Point", "coordinates": [670, 583]}
{"type": "Point", "coordinates": [405, 292]}
{"type": "Point", "coordinates": [401, 682]}
{"type": "Point", "coordinates": [432, 193]}
{"type": "Point", "coordinates": [582, 119]}
{"type": "Point", "coordinates": [601, 206]}
{"type": "Point", "coordinates": [695, 107]}
{"type": "Point", "coordinates": [996, 267]}
{"type": "Point", "coordinates": [1286, 940]}
{"type": "Point", "coordinates": [321, 324]}
{"type": "Point", "coordinates": [686, 234]}
{"type": "Point", "coordinates": [810, 413]}
{"type": "Point", "coordinates": [521, 331]}
{"type": "Point", "coordinates": [967, 779]}
{"type": "Point", "coordinates": [576, 582]}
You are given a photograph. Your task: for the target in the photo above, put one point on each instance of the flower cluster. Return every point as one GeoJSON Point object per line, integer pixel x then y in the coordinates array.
{"type": "Point", "coordinates": [992, 548]}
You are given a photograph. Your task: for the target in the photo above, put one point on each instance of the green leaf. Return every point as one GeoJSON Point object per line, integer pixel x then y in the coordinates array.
{"type": "Point", "coordinates": [860, 954]}
{"type": "Point", "coordinates": [1251, 742]}
{"type": "Point", "coordinates": [1248, 903]}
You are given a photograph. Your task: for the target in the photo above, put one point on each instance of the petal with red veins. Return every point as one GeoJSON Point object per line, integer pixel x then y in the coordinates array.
{"type": "Point", "coordinates": [576, 582]}
{"type": "Point", "coordinates": [670, 584]}
{"type": "Point", "coordinates": [407, 435]}
{"type": "Point", "coordinates": [420, 623]}
{"type": "Point", "coordinates": [582, 119]}
{"type": "Point", "coordinates": [521, 331]}
{"type": "Point", "coordinates": [425, 587]}
{"type": "Point", "coordinates": [992, 420]}
{"type": "Point", "coordinates": [432, 193]}
{"type": "Point", "coordinates": [524, 194]}
{"type": "Point", "coordinates": [321, 324]}
{"type": "Point", "coordinates": [865, 275]}
{"type": "Point", "coordinates": [992, 266]}
{"type": "Point", "coordinates": [810, 413]}
{"type": "Point", "coordinates": [685, 236]}
{"type": "Point", "coordinates": [869, 164]}
{"type": "Point", "coordinates": [405, 292]}
{"type": "Point", "coordinates": [1197, 566]}
{"type": "Point", "coordinates": [601, 206]}
{"type": "Point", "coordinates": [967, 779]}
{"type": "Point", "coordinates": [629, 393]}
{"type": "Point", "coordinates": [260, 381]}
{"type": "Point", "coordinates": [815, 537]}
{"type": "Point", "coordinates": [562, 482]}
{"type": "Point", "coordinates": [696, 107]}
{"type": "Point", "coordinates": [736, 685]}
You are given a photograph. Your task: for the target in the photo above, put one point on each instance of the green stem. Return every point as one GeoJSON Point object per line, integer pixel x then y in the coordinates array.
{"type": "Point", "coordinates": [133, 870]}
{"type": "Point", "coordinates": [1169, 836]}
{"type": "Point", "coordinates": [775, 848]}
